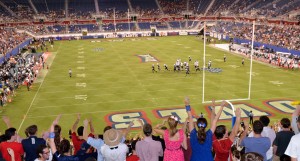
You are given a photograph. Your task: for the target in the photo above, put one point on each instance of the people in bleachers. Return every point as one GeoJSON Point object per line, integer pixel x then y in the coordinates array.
{"type": "Point", "coordinates": [31, 143]}
{"type": "Point", "coordinates": [63, 152]}
{"type": "Point", "coordinates": [257, 143]}
{"type": "Point", "coordinates": [12, 141]}
{"type": "Point", "coordinates": [175, 140]}
{"type": "Point", "coordinates": [267, 132]}
{"type": "Point", "coordinates": [78, 140]}
{"type": "Point", "coordinates": [201, 140]}
{"type": "Point", "coordinates": [293, 149]}
{"type": "Point", "coordinates": [148, 149]}
{"type": "Point", "coordinates": [282, 139]}
{"type": "Point", "coordinates": [222, 144]}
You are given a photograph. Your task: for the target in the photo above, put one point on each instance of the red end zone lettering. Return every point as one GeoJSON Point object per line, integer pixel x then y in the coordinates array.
{"type": "Point", "coordinates": [122, 120]}
{"type": "Point", "coordinates": [282, 105]}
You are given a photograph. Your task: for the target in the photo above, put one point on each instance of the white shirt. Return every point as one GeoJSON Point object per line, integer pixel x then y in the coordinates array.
{"type": "Point", "coordinates": [118, 154]}
{"type": "Point", "coordinates": [270, 133]}
{"type": "Point", "coordinates": [293, 149]}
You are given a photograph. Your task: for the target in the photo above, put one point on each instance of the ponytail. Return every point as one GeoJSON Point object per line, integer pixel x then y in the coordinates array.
{"type": "Point", "coordinates": [201, 135]}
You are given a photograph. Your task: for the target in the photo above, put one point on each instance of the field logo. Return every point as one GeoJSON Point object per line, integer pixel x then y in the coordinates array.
{"type": "Point", "coordinates": [282, 105]}
{"type": "Point", "coordinates": [245, 110]}
{"type": "Point", "coordinates": [165, 113]}
{"type": "Point", "coordinates": [147, 58]}
{"type": "Point", "coordinates": [122, 120]}
{"type": "Point", "coordinates": [213, 70]}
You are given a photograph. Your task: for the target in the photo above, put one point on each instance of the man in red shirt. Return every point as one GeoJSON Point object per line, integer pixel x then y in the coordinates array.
{"type": "Point", "coordinates": [78, 140]}
{"type": "Point", "coordinates": [12, 144]}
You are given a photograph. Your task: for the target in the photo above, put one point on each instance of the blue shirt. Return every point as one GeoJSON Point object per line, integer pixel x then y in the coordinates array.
{"type": "Point", "coordinates": [201, 152]}
{"type": "Point", "coordinates": [30, 145]}
{"type": "Point", "coordinates": [259, 145]}
{"type": "Point", "coordinates": [97, 144]}
{"type": "Point", "coordinates": [60, 157]}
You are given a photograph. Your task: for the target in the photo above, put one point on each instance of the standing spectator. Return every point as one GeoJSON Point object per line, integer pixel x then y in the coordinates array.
{"type": "Point", "coordinates": [174, 140]}
{"type": "Point", "coordinates": [113, 149]}
{"type": "Point", "coordinates": [11, 142]}
{"type": "Point", "coordinates": [293, 149]}
{"type": "Point", "coordinates": [201, 140]}
{"type": "Point", "coordinates": [295, 116]}
{"type": "Point", "coordinates": [282, 139]}
{"type": "Point", "coordinates": [257, 143]}
{"type": "Point", "coordinates": [78, 140]}
{"type": "Point", "coordinates": [222, 145]}
{"type": "Point", "coordinates": [148, 149]}
{"type": "Point", "coordinates": [64, 153]}
{"type": "Point", "coordinates": [96, 143]}
{"type": "Point", "coordinates": [267, 132]}
{"type": "Point", "coordinates": [251, 118]}
{"type": "Point", "coordinates": [31, 143]}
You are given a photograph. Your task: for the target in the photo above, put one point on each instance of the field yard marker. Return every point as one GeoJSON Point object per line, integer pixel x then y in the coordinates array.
{"type": "Point", "coordinates": [81, 97]}
{"type": "Point", "coordinates": [80, 68]}
{"type": "Point", "coordinates": [80, 62]}
{"type": "Point", "coordinates": [80, 57]}
{"type": "Point", "coordinates": [80, 75]}
{"type": "Point", "coordinates": [81, 85]}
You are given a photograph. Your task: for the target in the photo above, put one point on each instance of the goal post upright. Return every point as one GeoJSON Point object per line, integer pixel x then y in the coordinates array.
{"type": "Point", "coordinates": [251, 61]}
{"type": "Point", "coordinates": [204, 53]}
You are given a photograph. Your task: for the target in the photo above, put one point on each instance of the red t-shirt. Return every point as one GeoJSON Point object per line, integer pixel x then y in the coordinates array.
{"type": "Point", "coordinates": [222, 149]}
{"type": "Point", "coordinates": [16, 147]}
{"type": "Point", "coordinates": [77, 142]}
{"type": "Point", "coordinates": [133, 158]}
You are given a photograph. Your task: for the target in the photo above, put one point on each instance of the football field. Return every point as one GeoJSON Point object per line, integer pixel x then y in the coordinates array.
{"type": "Point", "coordinates": [112, 83]}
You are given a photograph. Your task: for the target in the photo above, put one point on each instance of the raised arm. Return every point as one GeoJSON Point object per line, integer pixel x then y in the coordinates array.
{"type": "Point", "coordinates": [213, 111]}
{"type": "Point", "coordinates": [294, 119]}
{"type": "Point", "coordinates": [216, 118]}
{"type": "Point", "coordinates": [91, 126]}
{"type": "Point", "coordinates": [52, 135]}
{"type": "Point", "coordinates": [157, 129]}
{"type": "Point", "coordinates": [74, 127]}
{"type": "Point", "coordinates": [85, 130]}
{"type": "Point", "coordinates": [236, 126]}
{"type": "Point", "coordinates": [125, 133]}
{"type": "Point", "coordinates": [245, 132]}
{"type": "Point", "coordinates": [190, 116]}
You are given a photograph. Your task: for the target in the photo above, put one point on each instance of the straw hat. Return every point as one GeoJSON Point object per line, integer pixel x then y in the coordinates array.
{"type": "Point", "coordinates": [112, 137]}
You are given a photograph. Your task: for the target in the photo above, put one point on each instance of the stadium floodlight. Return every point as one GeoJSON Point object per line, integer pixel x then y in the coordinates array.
{"type": "Point", "coordinates": [250, 70]}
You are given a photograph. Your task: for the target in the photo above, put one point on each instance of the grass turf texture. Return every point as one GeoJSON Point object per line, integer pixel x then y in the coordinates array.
{"type": "Point", "coordinates": [116, 81]}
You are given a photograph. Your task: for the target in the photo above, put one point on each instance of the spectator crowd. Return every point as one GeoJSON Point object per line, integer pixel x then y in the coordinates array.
{"type": "Point", "coordinates": [200, 140]}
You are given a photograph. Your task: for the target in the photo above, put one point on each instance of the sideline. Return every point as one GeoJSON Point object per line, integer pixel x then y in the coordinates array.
{"type": "Point", "coordinates": [26, 114]}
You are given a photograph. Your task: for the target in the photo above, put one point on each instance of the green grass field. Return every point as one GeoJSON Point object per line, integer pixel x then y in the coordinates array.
{"type": "Point", "coordinates": [109, 78]}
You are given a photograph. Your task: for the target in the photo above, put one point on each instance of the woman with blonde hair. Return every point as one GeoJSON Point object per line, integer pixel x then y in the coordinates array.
{"type": "Point", "coordinates": [175, 140]}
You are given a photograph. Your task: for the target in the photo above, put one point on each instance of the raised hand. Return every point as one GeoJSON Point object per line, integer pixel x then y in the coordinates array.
{"type": "Point", "coordinates": [55, 122]}
{"type": "Point", "coordinates": [85, 122]}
